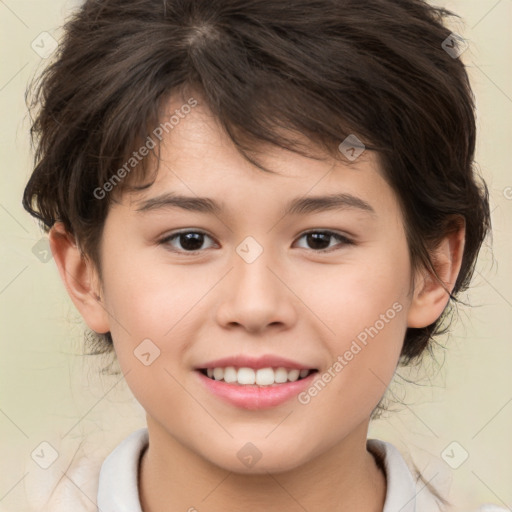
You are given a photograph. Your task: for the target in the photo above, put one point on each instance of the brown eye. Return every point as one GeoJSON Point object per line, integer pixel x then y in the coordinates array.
{"type": "Point", "coordinates": [321, 240]}
{"type": "Point", "coordinates": [186, 241]}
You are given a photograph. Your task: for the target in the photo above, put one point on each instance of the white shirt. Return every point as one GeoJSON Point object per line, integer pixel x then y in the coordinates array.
{"type": "Point", "coordinates": [118, 479]}
{"type": "Point", "coordinates": [94, 482]}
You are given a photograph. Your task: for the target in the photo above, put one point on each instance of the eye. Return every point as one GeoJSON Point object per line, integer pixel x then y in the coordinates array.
{"type": "Point", "coordinates": [190, 241]}
{"type": "Point", "coordinates": [193, 241]}
{"type": "Point", "coordinates": [320, 240]}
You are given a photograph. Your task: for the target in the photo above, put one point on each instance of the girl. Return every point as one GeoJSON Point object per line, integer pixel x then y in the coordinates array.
{"type": "Point", "coordinates": [322, 153]}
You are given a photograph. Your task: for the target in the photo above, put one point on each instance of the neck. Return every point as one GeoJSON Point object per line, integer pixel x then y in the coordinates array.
{"type": "Point", "coordinates": [343, 478]}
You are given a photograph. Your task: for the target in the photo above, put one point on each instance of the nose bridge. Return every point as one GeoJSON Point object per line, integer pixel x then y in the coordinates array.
{"type": "Point", "coordinates": [253, 278]}
{"type": "Point", "coordinates": [252, 295]}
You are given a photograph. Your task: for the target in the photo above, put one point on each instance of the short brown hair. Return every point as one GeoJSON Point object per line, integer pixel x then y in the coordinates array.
{"type": "Point", "coordinates": [324, 69]}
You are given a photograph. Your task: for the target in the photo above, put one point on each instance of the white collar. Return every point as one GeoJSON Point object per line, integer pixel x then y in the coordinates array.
{"type": "Point", "coordinates": [118, 480]}
{"type": "Point", "coordinates": [118, 488]}
{"type": "Point", "coordinates": [403, 493]}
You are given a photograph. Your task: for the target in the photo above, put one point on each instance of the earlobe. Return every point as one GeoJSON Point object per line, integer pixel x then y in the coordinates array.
{"type": "Point", "coordinates": [430, 295]}
{"type": "Point", "coordinates": [79, 277]}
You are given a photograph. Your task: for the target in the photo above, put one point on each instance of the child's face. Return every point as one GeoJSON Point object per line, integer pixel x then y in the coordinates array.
{"type": "Point", "coordinates": [291, 301]}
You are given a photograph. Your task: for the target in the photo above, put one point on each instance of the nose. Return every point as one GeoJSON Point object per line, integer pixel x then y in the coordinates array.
{"type": "Point", "coordinates": [256, 296]}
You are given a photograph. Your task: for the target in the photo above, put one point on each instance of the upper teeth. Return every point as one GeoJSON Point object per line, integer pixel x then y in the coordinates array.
{"type": "Point", "coordinates": [260, 377]}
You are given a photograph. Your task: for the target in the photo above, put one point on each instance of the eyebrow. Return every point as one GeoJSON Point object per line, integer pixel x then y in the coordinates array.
{"type": "Point", "coordinates": [297, 206]}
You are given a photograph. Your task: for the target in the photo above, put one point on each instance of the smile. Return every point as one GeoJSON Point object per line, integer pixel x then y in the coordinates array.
{"type": "Point", "coordinates": [255, 389]}
{"type": "Point", "coordinates": [245, 376]}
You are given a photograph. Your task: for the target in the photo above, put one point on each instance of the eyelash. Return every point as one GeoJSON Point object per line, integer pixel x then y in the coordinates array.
{"type": "Point", "coordinates": [341, 238]}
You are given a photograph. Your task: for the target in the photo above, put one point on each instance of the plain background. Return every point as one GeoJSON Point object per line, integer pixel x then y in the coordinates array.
{"type": "Point", "coordinates": [460, 406]}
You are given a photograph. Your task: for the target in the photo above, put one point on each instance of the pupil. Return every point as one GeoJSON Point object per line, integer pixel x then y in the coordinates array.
{"type": "Point", "coordinates": [190, 241]}
{"type": "Point", "coordinates": [315, 240]}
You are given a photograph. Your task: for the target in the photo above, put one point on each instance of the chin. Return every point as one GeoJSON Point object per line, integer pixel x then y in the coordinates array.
{"type": "Point", "coordinates": [248, 459]}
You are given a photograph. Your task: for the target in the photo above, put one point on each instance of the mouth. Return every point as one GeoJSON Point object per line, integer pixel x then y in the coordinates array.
{"type": "Point", "coordinates": [261, 377]}
{"type": "Point", "coordinates": [255, 382]}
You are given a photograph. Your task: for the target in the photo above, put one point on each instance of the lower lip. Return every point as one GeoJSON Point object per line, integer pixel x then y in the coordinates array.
{"type": "Point", "coordinates": [256, 397]}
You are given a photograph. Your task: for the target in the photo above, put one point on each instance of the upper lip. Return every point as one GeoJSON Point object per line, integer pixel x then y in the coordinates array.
{"type": "Point", "coordinates": [265, 361]}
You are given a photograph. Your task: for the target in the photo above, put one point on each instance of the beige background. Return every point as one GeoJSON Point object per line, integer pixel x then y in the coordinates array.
{"type": "Point", "coordinates": [51, 393]}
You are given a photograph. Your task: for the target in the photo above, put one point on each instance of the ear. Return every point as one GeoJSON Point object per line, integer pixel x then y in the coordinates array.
{"type": "Point", "coordinates": [430, 297]}
{"type": "Point", "coordinates": [80, 278]}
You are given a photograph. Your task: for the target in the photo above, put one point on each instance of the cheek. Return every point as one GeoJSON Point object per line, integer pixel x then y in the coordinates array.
{"type": "Point", "coordinates": [144, 303]}
{"type": "Point", "coordinates": [146, 297]}
{"type": "Point", "coordinates": [149, 323]}
{"type": "Point", "coordinates": [364, 305]}
{"type": "Point", "coordinates": [354, 295]}
{"type": "Point", "coordinates": [363, 357]}
{"type": "Point", "coordinates": [162, 303]}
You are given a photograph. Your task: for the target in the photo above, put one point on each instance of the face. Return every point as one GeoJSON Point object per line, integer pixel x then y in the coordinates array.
{"type": "Point", "coordinates": [257, 284]}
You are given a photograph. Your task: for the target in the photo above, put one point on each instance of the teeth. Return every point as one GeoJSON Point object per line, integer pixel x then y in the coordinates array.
{"type": "Point", "coordinates": [280, 375]}
{"type": "Point", "coordinates": [230, 374]}
{"type": "Point", "coordinates": [218, 373]}
{"type": "Point", "coordinates": [246, 376]}
{"type": "Point", "coordinates": [260, 377]}
{"type": "Point", "coordinates": [265, 377]}
{"type": "Point", "coordinates": [293, 375]}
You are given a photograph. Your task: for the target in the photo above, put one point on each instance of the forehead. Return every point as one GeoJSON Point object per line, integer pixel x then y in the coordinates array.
{"type": "Point", "coordinates": [199, 161]}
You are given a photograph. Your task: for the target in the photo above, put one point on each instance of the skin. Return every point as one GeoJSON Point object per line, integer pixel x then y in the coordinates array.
{"type": "Point", "coordinates": [292, 301]}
